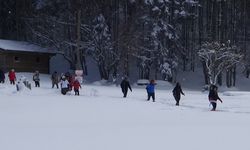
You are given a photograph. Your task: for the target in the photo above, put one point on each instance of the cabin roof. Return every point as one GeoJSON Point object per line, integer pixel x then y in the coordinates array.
{"type": "Point", "coordinates": [22, 46]}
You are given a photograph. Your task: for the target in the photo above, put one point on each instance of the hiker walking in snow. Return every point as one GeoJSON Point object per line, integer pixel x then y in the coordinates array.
{"type": "Point", "coordinates": [12, 76]}
{"type": "Point", "coordinates": [55, 79]}
{"type": "Point", "coordinates": [76, 86]}
{"type": "Point", "coordinates": [213, 96]}
{"type": "Point", "coordinates": [64, 85]}
{"type": "Point", "coordinates": [125, 86]}
{"type": "Point", "coordinates": [36, 79]}
{"type": "Point", "coordinates": [2, 76]}
{"type": "Point", "coordinates": [151, 90]}
{"type": "Point", "coordinates": [177, 91]}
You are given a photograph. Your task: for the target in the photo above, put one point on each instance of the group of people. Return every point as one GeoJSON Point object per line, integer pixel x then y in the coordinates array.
{"type": "Point", "coordinates": [69, 82]}
{"type": "Point", "coordinates": [11, 75]}
{"type": "Point", "coordinates": [177, 92]}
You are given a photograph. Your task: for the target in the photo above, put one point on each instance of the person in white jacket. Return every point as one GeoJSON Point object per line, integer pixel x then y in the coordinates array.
{"type": "Point", "coordinates": [64, 85]}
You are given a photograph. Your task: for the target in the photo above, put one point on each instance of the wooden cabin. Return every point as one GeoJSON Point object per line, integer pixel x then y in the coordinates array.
{"type": "Point", "coordinates": [24, 56]}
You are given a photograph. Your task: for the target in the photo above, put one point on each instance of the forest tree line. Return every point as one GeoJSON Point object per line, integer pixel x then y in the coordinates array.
{"type": "Point", "coordinates": [164, 36]}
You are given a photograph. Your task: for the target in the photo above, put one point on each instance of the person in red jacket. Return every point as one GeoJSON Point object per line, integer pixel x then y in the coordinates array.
{"type": "Point", "coordinates": [12, 76]}
{"type": "Point", "coordinates": [76, 86]}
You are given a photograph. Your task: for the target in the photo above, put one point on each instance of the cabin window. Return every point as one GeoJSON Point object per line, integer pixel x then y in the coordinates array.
{"type": "Point", "coordinates": [37, 59]}
{"type": "Point", "coordinates": [17, 59]}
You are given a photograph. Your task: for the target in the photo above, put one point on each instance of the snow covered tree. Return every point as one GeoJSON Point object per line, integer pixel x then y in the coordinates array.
{"type": "Point", "coordinates": [101, 48]}
{"type": "Point", "coordinates": [58, 25]}
{"type": "Point", "coordinates": [168, 70]}
{"type": "Point", "coordinates": [161, 26]}
{"type": "Point", "coordinates": [12, 25]}
{"type": "Point", "coordinates": [164, 35]}
{"type": "Point", "coordinates": [217, 57]}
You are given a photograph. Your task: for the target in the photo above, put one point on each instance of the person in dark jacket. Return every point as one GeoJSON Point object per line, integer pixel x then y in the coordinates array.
{"type": "Point", "coordinates": [36, 79]}
{"type": "Point", "coordinates": [213, 96]}
{"type": "Point", "coordinates": [125, 86]}
{"type": "Point", "coordinates": [151, 90]}
{"type": "Point", "coordinates": [2, 76]}
{"type": "Point", "coordinates": [55, 79]}
{"type": "Point", "coordinates": [68, 75]}
{"type": "Point", "coordinates": [177, 91]}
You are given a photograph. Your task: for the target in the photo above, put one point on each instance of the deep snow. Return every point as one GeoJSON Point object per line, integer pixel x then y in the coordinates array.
{"type": "Point", "coordinates": [100, 119]}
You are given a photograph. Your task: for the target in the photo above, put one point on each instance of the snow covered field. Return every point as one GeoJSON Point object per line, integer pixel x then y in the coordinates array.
{"type": "Point", "coordinates": [100, 119]}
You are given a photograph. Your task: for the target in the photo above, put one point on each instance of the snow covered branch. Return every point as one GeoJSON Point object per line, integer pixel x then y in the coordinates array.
{"type": "Point", "coordinates": [217, 57]}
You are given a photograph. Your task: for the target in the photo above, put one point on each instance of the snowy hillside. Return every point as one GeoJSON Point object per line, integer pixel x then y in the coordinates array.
{"type": "Point", "coordinates": [101, 119]}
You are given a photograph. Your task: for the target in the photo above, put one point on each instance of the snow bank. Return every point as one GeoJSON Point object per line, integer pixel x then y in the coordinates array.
{"type": "Point", "coordinates": [101, 82]}
{"type": "Point", "coordinates": [235, 93]}
{"type": "Point", "coordinates": [142, 82]}
{"type": "Point", "coordinates": [101, 119]}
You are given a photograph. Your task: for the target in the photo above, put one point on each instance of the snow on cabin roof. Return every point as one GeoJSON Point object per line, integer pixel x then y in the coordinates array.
{"type": "Point", "coordinates": [22, 46]}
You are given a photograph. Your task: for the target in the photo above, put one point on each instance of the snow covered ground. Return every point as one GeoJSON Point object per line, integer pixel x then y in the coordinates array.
{"type": "Point", "coordinates": [100, 119]}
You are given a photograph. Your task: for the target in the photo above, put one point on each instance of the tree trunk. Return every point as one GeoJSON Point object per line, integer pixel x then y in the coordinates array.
{"type": "Point", "coordinates": [228, 78]}
{"type": "Point", "coordinates": [234, 76]}
{"type": "Point", "coordinates": [205, 72]}
{"type": "Point", "coordinates": [220, 79]}
{"type": "Point", "coordinates": [103, 72]}
{"type": "Point", "coordinates": [78, 54]}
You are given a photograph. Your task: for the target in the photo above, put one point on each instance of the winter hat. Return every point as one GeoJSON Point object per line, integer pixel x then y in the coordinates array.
{"type": "Point", "coordinates": [152, 81]}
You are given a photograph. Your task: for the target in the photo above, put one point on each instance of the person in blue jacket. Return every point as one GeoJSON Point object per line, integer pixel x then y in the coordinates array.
{"type": "Point", "coordinates": [151, 90]}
